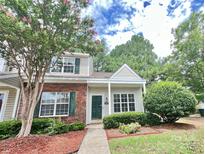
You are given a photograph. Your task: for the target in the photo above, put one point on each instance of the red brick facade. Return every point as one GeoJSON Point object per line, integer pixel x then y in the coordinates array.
{"type": "Point", "coordinates": [81, 92]}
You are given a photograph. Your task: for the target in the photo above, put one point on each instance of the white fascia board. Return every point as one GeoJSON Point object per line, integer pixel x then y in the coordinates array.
{"type": "Point", "coordinates": [116, 81]}
{"type": "Point", "coordinates": [8, 76]}
{"type": "Point", "coordinates": [5, 84]}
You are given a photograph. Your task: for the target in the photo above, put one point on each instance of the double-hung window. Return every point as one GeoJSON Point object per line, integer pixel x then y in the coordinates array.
{"type": "Point", "coordinates": [65, 65]}
{"type": "Point", "coordinates": [54, 104]}
{"type": "Point", "coordinates": [124, 102]}
{"type": "Point", "coordinates": [68, 64]}
{"type": "Point", "coordinates": [57, 65]}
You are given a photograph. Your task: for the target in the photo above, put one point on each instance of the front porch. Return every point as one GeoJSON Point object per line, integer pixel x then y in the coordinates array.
{"type": "Point", "coordinates": [107, 98]}
{"type": "Point", "coordinates": [9, 96]}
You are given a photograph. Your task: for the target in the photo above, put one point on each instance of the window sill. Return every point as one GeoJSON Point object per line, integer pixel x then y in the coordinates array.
{"type": "Point", "coordinates": [53, 116]}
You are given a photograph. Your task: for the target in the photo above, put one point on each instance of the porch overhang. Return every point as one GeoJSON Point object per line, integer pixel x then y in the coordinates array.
{"type": "Point", "coordinates": [10, 80]}
{"type": "Point", "coordinates": [106, 81]}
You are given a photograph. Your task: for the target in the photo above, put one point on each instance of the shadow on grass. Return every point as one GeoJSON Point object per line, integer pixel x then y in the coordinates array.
{"type": "Point", "coordinates": [175, 126]}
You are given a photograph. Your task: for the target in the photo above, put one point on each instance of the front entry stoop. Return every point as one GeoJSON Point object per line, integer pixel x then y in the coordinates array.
{"type": "Point", "coordinates": [95, 141]}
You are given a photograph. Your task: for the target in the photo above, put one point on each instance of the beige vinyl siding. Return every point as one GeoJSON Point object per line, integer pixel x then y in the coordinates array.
{"type": "Point", "coordinates": [125, 73]}
{"type": "Point", "coordinates": [126, 90]}
{"type": "Point", "coordinates": [96, 91]}
{"type": "Point", "coordinates": [91, 70]}
{"type": "Point", "coordinates": [115, 89]}
{"type": "Point", "coordinates": [84, 66]}
{"type": "Point", "coordinates": [10, 102]}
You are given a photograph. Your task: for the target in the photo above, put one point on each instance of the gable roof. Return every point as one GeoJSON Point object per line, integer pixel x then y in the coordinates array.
{"type": "Point", "coordinates": [125, 72]}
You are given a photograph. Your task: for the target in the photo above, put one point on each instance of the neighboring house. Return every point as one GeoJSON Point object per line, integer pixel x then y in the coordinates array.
{"type": "Point", "coordinates": [73, 91]}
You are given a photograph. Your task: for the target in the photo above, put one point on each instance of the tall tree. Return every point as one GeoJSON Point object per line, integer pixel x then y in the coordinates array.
{"type": "Point", "coordinates": [186, 64]}
{"type": "Point", "coordinates": [32, 32]}
{"type": "Point", "coordinates": [138, 54]}
{"type": "Point", "coordinates": [99, 59]}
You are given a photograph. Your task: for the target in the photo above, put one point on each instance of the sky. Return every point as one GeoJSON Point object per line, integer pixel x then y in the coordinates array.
{"type": "Point", "coordinates": [117, 20]}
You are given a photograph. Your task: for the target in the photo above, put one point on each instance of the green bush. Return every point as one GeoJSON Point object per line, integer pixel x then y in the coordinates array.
{"type": "Point", "coordinates": [76, 126]}
{"type": "Point", "coordinates": [43, 125]}
{"type": "Point", "coordinates": [152, 119]}
{"type": "Point", "coordinates": [39, 126]}
{"type": "Point", "coordinates": [60, 128]}
{"type": "Point", "coordinates": [114, 120]}
{"type": "Point", "coordinates": [199, 97]}
{"type": "Point", "coordinates": [129, 128]}
{"type": "Point", "coordinates": [169, 100]}
{"type": "Point", "coordinates": [9, 128]}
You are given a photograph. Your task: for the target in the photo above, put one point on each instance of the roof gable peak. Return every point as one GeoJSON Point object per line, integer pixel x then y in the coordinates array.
{"type": "Point", "coordinates": [126, 72]}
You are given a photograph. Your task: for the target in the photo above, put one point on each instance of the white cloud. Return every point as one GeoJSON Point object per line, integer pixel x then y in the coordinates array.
{"type": "Point", "coordinates": [119, 38]}
{"type": "Point", "coordinates": [152, 21]}
{"type": "Point", "coordinates": [156, 25]}
{"type": "Point", "coordinates": [123, 24]}
{"type": "Point", "coordinates": [96, 4]}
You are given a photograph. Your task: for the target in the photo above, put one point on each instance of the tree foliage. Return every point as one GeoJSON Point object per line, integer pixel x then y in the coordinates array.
{"type": "Point", "coordinates": [169, 100]}
{"type": "Point", "coordinates": [32, 32]}
{"type": "Point", "coordinates": [186, 64]}
{"type": "Point", "coordinates": [137, 53]}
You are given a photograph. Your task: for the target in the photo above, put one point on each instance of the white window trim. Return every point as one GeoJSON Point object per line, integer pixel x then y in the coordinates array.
{"type": "Point", "coordinates": [3, 109]}
{"type": "Point", "coordinates": [62, 68]}
{"type": "Point", "coordinates": [54, 113]}
{"type": "Point", "coordinates": [128, 102]}
{"type": "Point", "coordinates": [69, 65]}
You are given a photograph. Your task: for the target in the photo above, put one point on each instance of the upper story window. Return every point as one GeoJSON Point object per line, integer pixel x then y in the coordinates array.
{"type": "Point", "coordinates": [66, 65]}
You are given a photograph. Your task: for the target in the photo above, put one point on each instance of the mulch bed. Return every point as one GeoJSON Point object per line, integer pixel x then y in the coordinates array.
{"type": "Point", "coordinates": [184, 124]}
{"type": "Point", "coordinates": [174, 126]}
{"type": "Point", "coordinates": [115, 133]}
{"type": "Point", "coordinates": [42, 144]}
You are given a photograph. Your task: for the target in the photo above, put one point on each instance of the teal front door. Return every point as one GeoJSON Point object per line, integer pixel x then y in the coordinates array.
{"type": "Point", "coordinates": [96, 107]}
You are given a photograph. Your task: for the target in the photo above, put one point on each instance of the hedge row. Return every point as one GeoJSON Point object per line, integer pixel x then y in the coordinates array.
{"type": "Point", "coordinates": [114, 120]}
{"type": "Point", "coordinates": [39, 126]}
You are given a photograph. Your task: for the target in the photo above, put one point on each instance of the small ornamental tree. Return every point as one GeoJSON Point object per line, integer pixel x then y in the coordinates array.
{"type": "Point", "coordinates": [32, 32]}
{"type": "Point", "coordinates": [169, 100]}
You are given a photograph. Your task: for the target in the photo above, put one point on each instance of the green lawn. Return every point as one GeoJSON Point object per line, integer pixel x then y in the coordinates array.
{"type": "Point", "coordinates": [176, 142]}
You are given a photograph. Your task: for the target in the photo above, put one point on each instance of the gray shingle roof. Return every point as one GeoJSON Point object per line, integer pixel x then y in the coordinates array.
{"type": "Point", "coordinates": [101, 74]}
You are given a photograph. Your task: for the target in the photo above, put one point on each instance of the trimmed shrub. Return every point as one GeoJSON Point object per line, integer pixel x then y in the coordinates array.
{"type": "Point", "coordinates": [169, 100]}
{"type": "Point", "coordinates": [60, 128]}
{"type": "Point", "coordinates": [114, 120]}
{"type": "Point", "coordinates": [129, 128]}
{"type": "Point", "coordinates": [39, 126]}
{"type": "Point", "coordinates": [43, 125]}
{"type": "Point", "coordinates": [152, 119]}
{"type": "Point", "coordinates": [9, 128]}
{"type": "Point", "coordinates": [76, 126]}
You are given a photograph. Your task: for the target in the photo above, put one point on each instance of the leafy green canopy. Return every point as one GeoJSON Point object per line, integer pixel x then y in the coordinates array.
{"type": "Point", "coordinates": [137, 53]}
{"type": "Point", "coordinates": [169, 100]}
{"type": "Point", "coordinates": [36, 30]}
{"type": "Point", "coordinates": [186, 64]}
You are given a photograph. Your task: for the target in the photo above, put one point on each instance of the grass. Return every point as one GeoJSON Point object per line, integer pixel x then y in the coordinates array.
{"type": "Point", "coordinates": [176, 142]}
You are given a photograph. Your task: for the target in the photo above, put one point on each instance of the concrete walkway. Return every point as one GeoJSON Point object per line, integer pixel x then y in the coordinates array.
{"type": "Point", "coordinates": [95, 141]}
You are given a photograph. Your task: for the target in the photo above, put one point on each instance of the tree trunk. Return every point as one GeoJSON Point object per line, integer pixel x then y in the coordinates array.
{"type": "Point", "coordinates": [29, 101]}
